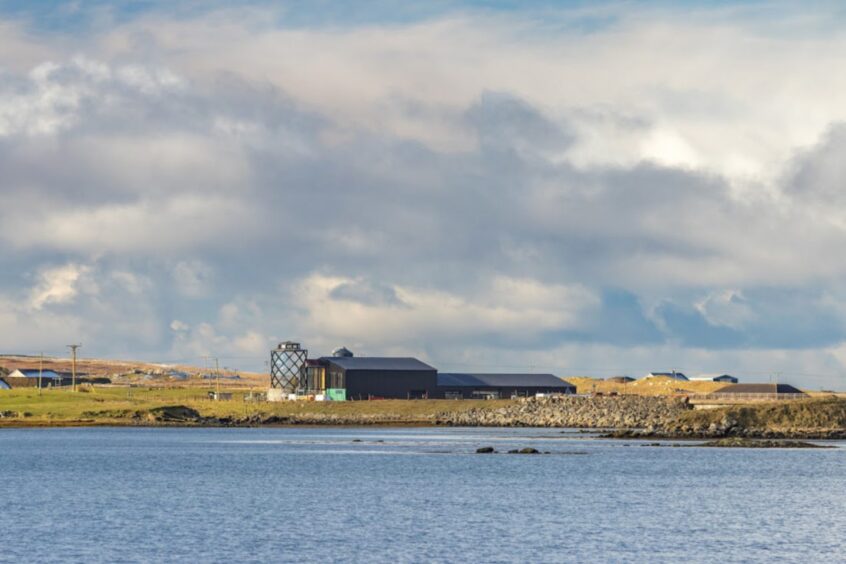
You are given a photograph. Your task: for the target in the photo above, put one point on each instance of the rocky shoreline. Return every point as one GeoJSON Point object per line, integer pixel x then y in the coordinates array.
{"type": "Point", "coordinates": [639, 417]}
{"type": "Point", "coordinates": [622, 417]}
{"type": "Point", "coordinates": [616, 412]}
{"type": "Point", "coordinates": [727, 429]}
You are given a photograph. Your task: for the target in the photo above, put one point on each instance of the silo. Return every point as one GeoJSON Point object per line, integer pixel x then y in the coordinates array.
{"type": "Point", "coordinates": [287, 368]}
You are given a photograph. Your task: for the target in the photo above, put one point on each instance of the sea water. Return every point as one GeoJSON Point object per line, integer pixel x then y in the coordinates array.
{"type": "Point", "coordinates": [409, 495]}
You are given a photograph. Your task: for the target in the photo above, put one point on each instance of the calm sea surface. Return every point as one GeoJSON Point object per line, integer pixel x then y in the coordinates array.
{"type": "Point", "coordinates": [409, 495]}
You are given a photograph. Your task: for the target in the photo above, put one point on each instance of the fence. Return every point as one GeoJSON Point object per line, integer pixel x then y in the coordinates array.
{"type": "Point", "coordinates": [772, 396]}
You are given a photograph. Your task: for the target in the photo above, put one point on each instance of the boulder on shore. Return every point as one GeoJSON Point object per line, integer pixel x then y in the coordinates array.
{"type": "Point", "coordinates": [173, 414]}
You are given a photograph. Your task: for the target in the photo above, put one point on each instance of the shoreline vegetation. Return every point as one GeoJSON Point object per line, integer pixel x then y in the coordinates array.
{"type": "Point", "coordinates": [635, 417]}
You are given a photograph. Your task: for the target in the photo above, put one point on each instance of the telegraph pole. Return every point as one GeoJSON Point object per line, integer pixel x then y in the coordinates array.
{"type": "Point", "coordinates": [40, 370]}
{"type": "Point", "coordinates": [217, 376]}
{"type": "Point", "coordinates": [73, 365]}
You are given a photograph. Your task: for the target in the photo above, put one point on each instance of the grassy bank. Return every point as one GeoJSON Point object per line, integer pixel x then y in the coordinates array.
{"type": "Point", "coordinates": [818, 413]}
{"type": "Point", "coordinates": [117, 406]}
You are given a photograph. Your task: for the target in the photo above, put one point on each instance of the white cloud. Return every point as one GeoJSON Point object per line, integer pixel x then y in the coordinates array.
{"type": "Point", "coordinates": [726, 307]}
{"type": "Point", "coordinates": [506, 307]}
{"type": "Point", "coordinates": [706, 91]}
{"type": "Point", "coordinates": [178, 223]}
{"type": "Point", "coordinates": [57, 285]}
{"type": "Point", "coordinates": [252, 342]}
{"type": "Point", "coordinates": [179, 326]}
{"type": "Point", "coordinates": [193, 278]}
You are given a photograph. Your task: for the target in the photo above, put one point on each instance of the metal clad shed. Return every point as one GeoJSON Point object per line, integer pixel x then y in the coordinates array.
{"type": "Point", "coordinates": [725, 378]}
{"type": "Point", "coordinates": [382, 377]}
{"type": "Point", "coordinates": [454, 385]}
{"type": "Point", "coordinates": [33, 373]}
{"type": "Point", "coordinates": [759, 389]}
{"type": "Point", "coordinates": [28, 378]}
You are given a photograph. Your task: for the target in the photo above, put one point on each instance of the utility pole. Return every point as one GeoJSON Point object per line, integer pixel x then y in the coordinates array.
{"type": "Point", "coordinates": [217, 377]}
{"type": "Point", "coordinates": [40, 370]}
{"type": "Point", "coordinates": [73, 365]}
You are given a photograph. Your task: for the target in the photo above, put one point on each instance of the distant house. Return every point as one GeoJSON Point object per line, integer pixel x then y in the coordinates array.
{"type": "Point", "coordinates": [727, 378]}
{"type": "Point", "coordinates": [28, 378]}
{"type": "Point", "coordinates": [4, 385]}
{"type": "Point", "coordinates": [775, 389]}
{"type": "Point", "coordinates": [620, 379]}
{"type": "Point", "coordinates": [674, 375]}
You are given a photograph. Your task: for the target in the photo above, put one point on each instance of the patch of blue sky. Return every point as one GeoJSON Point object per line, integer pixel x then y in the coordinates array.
{"type": "Point", "coordinates": [561, 15]}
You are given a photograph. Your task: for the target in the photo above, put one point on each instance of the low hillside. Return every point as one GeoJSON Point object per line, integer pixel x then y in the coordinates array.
{"type": "Point", "coordinates": [659, 386]}
{"type": "Point", "coordinates": [788, 417]}
{"type": "Point", "coordinates": [133, 372]}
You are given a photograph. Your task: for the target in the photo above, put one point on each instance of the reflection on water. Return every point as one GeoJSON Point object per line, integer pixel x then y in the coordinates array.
{"type": "Point", "coordinates": [387, 495]}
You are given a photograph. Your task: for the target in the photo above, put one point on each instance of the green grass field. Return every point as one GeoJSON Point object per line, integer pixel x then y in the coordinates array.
{"type": "Point", "coordinates": [118, 406]}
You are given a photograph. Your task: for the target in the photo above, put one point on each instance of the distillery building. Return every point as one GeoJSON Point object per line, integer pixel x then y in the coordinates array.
{"type": "Point", "coordinates": [495, 386]}
{"type": "Point", "coordinates": [342, 375]}
{"type": "Point", "coordinates": [382, 377]}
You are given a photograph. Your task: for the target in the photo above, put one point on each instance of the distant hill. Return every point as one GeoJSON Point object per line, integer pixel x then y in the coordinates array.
{"type": "Point", "coordinates": [123, 370]}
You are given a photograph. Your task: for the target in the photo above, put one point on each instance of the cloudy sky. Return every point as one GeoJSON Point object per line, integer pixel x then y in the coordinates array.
{"type": "Point", "coordinates": [572, 187]}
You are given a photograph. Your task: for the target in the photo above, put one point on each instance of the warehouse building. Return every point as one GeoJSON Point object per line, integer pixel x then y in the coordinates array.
{"type": "Point", "coordinates": [345, 376]}
{"type": "Point", "coordinates": [380, 377]}
{"type": "Point", "coordinates": [495, 386]}
{"type": "Point", "coordinates": [775, 390]}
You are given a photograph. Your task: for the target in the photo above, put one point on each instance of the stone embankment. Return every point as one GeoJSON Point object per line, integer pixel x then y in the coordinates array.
{"type": "Point", "coordinates": [617, 412]}
{"type": "Point", "coordinates": [621, 412]}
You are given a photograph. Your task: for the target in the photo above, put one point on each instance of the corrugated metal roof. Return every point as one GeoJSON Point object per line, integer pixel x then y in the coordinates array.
{"type": "Point", "coordinates": [758, 389]}
{"type": "Point", "coordinates": [378, 363]}
{"type": "Point", "coordinates": [503, 380]}
{"type": "Point", "coordinates": [33, 373]}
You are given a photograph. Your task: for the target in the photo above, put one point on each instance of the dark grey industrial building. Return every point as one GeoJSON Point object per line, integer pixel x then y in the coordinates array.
{"type": "Point", "coordinates": [774, 389]}
{"type": "Point", "coordinates": [378, 377]}
{"type": "Point", "coordinates": [346, 376]}
{"type": "Point", "coordinates": [484, 386]}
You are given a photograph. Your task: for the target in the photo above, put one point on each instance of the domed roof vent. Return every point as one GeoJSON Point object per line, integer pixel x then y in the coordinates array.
{"type": "Point", "coordinates": [342, 352]}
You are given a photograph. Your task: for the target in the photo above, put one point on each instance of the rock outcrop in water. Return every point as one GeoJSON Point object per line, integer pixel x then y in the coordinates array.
{"type": "Point", "coordinates": [737, 442]}
{"type": "Point", "coordinates": [619, 412]}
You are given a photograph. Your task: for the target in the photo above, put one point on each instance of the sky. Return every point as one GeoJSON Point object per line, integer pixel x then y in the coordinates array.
{"type": "Point", "coordinates": [582, 188]}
